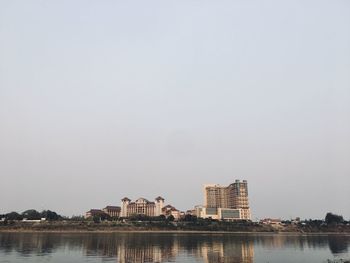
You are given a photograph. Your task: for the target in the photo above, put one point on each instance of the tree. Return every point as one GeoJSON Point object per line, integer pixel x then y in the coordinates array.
{"type": "Point", "coordinates": [101, 217]}
{"type": "Point", "coordinates": [31, 214]}
{"type": "Point", "coordinates": [171, 218]}
{"type": "Point", "coordinates": [50, 215]}
{"type": "Point", "coordinates": [105, 216]}
{"type": "Point", "coordinates": [190, 218]}
{"type": "Point", "coordinates": [13, 216]}
{"type": "Point", "coordinates": [162, 218]}
{"type": "Point", "coordinates": [96, 219]}
{"type": "Point", "coordinates": [333, 219]}
{"type": "Point", "coordinates": [77, 218]}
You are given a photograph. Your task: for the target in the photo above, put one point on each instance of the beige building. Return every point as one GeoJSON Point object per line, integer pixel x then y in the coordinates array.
{"type": "Point", "coordinates": [142, 207]}
{"type": "Point", "coordinates": [112, 211]}
{"type": "Point", "coordinates": [234, 197]}
{"type": "Point", "coordinates": [94, 212]}
{"type": "Point", "coordinates": [169, 210]}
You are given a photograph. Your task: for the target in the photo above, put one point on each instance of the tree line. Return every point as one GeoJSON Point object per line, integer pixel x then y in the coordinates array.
{"type": "Point", "coordinates": [32, 214]}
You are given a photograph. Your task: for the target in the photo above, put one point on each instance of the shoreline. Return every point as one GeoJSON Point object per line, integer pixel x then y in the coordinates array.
{"type": "Point", "coordinates": [295, 233]}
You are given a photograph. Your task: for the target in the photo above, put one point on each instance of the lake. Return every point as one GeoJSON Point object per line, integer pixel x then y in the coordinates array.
{"type": "Point", "coordinates": [171, 247]}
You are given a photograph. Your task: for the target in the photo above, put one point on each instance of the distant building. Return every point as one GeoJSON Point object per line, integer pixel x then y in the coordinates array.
{"type": "Point", "coordinates": [295, 220]}
{"type": "Point", "coordinates": [112, 211]}
{"type": "Point", "coordinates": [169, 210]}
{"type": "Point", "coordinates": [227, 214]}
{"type": "Point", "coordinates": [197, 211]}
{"type": "Point", "coordinates": [142, 207]}
{"type": "Point", "coordinates": [191, 212]}
{"type": "Point", "coordinates": [94, 212]}
{"type": "Point", "coordinates": [226, 201]}
{"type": "Point", "coordinates": [25, 220]}
{"type": "Point", "coordinates": [271, 221]}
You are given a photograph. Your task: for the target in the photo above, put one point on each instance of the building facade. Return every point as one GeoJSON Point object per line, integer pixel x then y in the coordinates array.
{"type": "Point", "coordinates": [169, 210]}
{"type": "Point", "coordinates": [226, 214]}
{"type": "Point", "coordinates": [94, 212]}
{"type": "Point", "coordinates": [112, 211]}
{"type": "Point", "coordinates": [234, 196]}
{"type": "Point", "coordinates": [108, 211]}
{"type": "Point", "coordinates": [142, 207]}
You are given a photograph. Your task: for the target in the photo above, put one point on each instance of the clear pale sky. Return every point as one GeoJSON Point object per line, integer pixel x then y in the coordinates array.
{"type": "Point", "coordinates": [105, 99]}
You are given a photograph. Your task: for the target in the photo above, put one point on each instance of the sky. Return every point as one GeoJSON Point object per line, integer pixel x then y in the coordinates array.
{"type": "Point", "coordinates": [105, 99]}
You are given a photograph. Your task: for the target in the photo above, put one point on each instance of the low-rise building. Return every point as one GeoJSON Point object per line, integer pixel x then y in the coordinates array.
{"type": "Point", "coordinates": [199, 211]}
{"type": "Point", "coordinates": [25, 220]}
{"type": "Point", "coordinates": [94, 212]}
{"type": "Point", "coordinates": [169, 210]}
{"type": "Point", "coordinates": [225, 214]}
{"type": "Point", "coordinates": [271, 221]}
{"type": "Point", "coordinates": [295, 220]}
{"type": "Point", "coordinates": [191, 212]}
{"type": "Point", "coordinates": [112, 211]}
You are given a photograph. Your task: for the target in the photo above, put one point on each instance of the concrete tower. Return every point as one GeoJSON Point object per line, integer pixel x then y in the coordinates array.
{"type": "Point", "coordinates": [159, 205]}
{"type": "Point", "coordinates": [124, 207]}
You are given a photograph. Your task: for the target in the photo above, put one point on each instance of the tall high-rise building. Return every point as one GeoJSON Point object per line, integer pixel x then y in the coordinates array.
{"type": "Point", "coordinates": [234, 196]}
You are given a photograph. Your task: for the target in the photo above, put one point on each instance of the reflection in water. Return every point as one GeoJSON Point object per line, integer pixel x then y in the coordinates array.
{"type": "Point", "coordinates": [338, 244]}
{"type": "Point", "coordinates": [162, 247]}
{"type": "Point", "coordinates": [228, 252]}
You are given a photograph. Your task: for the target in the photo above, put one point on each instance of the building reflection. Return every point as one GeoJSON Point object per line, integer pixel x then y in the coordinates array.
{"type": "Point", "coordinates": [163, 247]}
{"type": "Point", "coordinates": [228, 253]}
{"type": "Point", "coordinates": [132, 247]}
{"type": "Point", "coordinates": [338, 244]}
{"type": "Point", "coordinates": [209, 252]}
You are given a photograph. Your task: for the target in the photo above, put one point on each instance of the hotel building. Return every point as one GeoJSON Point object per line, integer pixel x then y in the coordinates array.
{"type": "Point", "coordinates": [142, 207]}
{"type": "Point", "coordinates": [226, 202]}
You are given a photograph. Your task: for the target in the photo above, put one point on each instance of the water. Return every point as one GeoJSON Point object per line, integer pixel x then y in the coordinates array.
{"type": "Point", "coordinates": [168, 247]}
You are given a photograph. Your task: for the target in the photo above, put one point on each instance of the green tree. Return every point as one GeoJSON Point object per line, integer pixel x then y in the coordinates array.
{"type": "Point", "coordinates": [161, 218]}
{"type": "Point", "coordinates": [31, 214]}
{"type": "Point", "coordinates": [333, 219]}
{"type": "Point", "coordinates": [77, 218]}
{"type": "Point", "coordinates": [13, 216]}
{"type": "Point", "coordinates": [190, 218]}
{"type": "Point", "coordinates": [96, 219]}
{"type": "Point", "coordinates": [101, 217]}
{"type": "Point", "coordinates": [105, 217]}
{"type": "Point", "coordinates": [50, 215]}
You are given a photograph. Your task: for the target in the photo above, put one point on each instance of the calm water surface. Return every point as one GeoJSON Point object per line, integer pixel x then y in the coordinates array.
{"type": "Point", "coordinates": [156, 247]}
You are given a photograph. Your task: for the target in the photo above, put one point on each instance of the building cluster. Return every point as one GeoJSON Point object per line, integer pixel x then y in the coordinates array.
{"type": "Point", "coordinates": [141, 206]}
{"type": "Point", "coordinates": [225, 202]}
{"type": "Point", "coordinates": [220, 202]}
